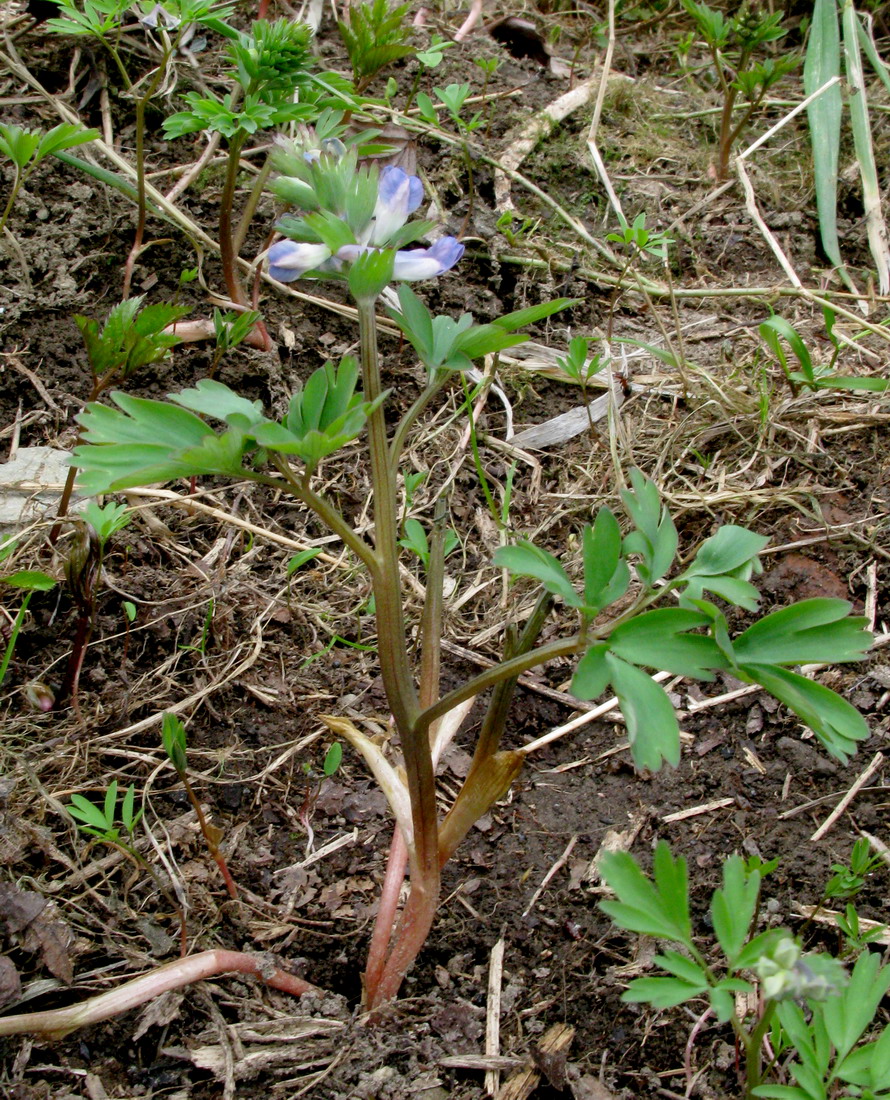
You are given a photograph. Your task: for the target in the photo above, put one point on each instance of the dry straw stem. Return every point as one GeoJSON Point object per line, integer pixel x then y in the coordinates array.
{"type": "Point", "coordinates": [876, 762]}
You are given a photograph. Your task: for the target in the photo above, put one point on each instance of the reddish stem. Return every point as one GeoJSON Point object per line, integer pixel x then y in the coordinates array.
{"type": "Point", "coordinates": [417, 919]}
{"type": "Point", "coordinates": [57, 1023]}
{"type": "Point", "coordinates": [386, 911]}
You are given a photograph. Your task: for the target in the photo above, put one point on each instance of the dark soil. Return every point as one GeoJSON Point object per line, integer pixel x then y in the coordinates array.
{"type": "Point", "coordinates": [257, 656]}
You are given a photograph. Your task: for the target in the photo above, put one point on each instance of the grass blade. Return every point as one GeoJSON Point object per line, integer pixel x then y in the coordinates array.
{"type": "Point", "coordinates": [865, 154]}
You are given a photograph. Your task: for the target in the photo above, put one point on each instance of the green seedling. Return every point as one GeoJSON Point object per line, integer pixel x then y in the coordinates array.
{"type": "Point", "coordinates": [173, 737]}
{"type": "Point", "coordinates": [849, 879]}
{"type": "Point", "coordinates": [28, 581]}
{"type": "Point", "coordinates": [230, 330]}
{"type": "Point", "coordinates": [821, 1048]}
{"type": "Point", "coordinates": [106, 519]}
{"type": "Point", "coordinates": [580, 366]}
{"type": "Point", "coordinates": [99, 821]}
{"type": "Point", "coordinates": [632, 603]}
{"type": "Point", "coordinates": [640, 242]}
{"type": "Point", "coordinates": [432, 56]}
{"type": "Point", "coordinates": [415, 539]}
{"type": "Point", "coordinates": [733, 44]}
{"type": "Point", "coordinates": [27, 148]}
{"type": "Point", "coordinates": [375, 36]}
{"type": "Point", "coordinates": [131, 339]}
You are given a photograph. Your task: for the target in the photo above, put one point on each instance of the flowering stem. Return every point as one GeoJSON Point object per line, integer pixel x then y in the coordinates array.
{"type": "Point", "coordinates": [399, 685]}
{"type": "Point", "coordinates": [752, 1044]}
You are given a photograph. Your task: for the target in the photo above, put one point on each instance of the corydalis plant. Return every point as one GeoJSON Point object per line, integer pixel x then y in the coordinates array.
{"type": "Point", "coordinates": [166, 26]}
{"type": "Point", "coordinates": [141, 442]}
{"type": "Point", "coordinates": [733, 44]}
{"type": "Point", "coordinates": [794, 1014]}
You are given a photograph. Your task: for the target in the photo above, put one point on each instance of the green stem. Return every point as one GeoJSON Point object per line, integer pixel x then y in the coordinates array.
{"type": "Point", "coordinates": [434, 387]}
{"type": "Point", "coordinates": [564, 647]}
{"type": "Point", "coordinates": [753, 1044]}
{"type": "Point", "coordinates": [326, 512]}
{"type": "Point", "coordinates": [13, 637]}
{"type": "Point", "coordinates": [397, 679]}
{"type": "Point", "coordinates": [16, 187]}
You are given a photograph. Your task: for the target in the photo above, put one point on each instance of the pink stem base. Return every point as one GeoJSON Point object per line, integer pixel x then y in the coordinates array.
{"type": "Point", "coordinates": [58, 1022]}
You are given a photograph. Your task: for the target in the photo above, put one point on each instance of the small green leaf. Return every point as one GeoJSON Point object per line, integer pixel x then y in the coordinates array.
{"type": "Point", "coordinates": [301, 559]}
{"type": "Point", "coordinates": [32, 580]}
{"type": "Point", "coordinates": [332, 759]}
{"type": "Point", "coordinates": [662, 992]}
{"type": "Point", "coordinates": [732, 906]}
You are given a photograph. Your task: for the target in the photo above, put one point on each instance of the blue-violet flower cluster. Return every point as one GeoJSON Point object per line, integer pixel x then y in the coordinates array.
{"type": "Point", "coordinates": [398, 196]}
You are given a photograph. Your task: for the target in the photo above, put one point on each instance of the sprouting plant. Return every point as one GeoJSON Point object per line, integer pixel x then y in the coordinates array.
{"type": "Point", "coordinates": [453, 98]}
{"type": "Point", "coordinates": [83, 575]}
{"type": "Point", "coordinates": [638, 241]}
{"type": "Point", "coordinates": [848, 879]}
{"type": "Point", "coordinates": [375, 36]}
{"type": "Point", "coordinates": [580, 366]}
{"type": "Point", "coordinates": [489, 66]}
{"type": "Point", "coordinates": [822, 377]}
{"type": "Point", "coordinates": [28, 581]}
{"type": "Point", "coordinates": [432, 56]}
{"type": "Point", "coordinates": [27, 148]}
{"type": "Point", "coordinates": [415, 539]}
{"type": "Point", "coordinates": [820, 1048]}
{"type": "Point", "coordinates": [733, 44]}
{"type": "Point", "coordinates": [165, 25]}
{"type": "Point", "coordinates": [130, 339]}
{"type": "Point", "coordinates": [99, 821]}
{"type": "Point", "coordinates": [674, 617]}
{"type": "Point", "coordinates": [175, 743]}
{"type": "Point", "coordinates": [230, 330]}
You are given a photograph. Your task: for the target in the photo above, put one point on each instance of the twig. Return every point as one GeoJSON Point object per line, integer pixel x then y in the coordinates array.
{"type": "Point", "coordinates": [560, 863]}
{"type": "Point", "coordinates": [493, 1016]}
{"type": "Point", "coordinates": [876, 762]}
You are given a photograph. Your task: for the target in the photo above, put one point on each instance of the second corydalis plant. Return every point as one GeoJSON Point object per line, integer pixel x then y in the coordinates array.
{"type": "Point", "coordinates": [166, 26]}
{"type": "Point", "coordinates": [269, 65]}
{"type": "Point", "coordinates": [733, 44]}
{"type": "Point", "coordinates": [618, 639]}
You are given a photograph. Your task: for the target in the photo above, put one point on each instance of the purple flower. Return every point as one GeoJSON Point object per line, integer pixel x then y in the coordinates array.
{"type": "Point", "coordinates": [418, 263]}
{"type": "Point", "coordinates": [288, 260]}
{"type": "Point", "coordinates": [398, 195]}
{"type": "Point", "coordinates": [427, 263]}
